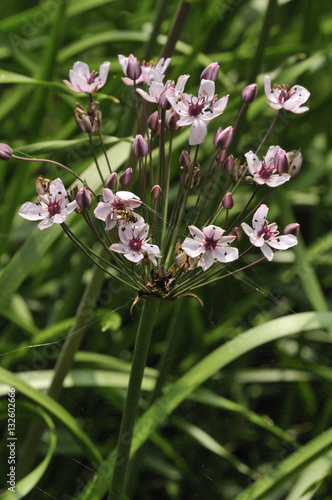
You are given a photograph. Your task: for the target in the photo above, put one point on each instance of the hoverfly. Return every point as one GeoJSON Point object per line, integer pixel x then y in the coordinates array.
{"type": "Point", "coordinates": [126, 215]}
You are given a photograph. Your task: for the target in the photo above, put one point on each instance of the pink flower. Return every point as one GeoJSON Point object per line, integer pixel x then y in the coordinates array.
{"type": "Point", "coordinates": [283, 97]}
{"type": "Point", "coordinates": [158, 89]}
{"type": "Point", "coordinates": [117, 207]}
{"type": "Point", "coordinates": [198, 111]}
{"type": "Point", "coordinates": [211, 245]}
{"type": "Point", "coordinates": [52, 206]}
{"type": "Point", "coordinates": [81, 80]}
{"type": "Point", "coordinates": [265, 172]}
{"type": "Point", "coordinates": [135, 245]}
{"type": "Point", "coordinates": [264, 235]}
{"type": "Point", "coordinates": [149, 73]}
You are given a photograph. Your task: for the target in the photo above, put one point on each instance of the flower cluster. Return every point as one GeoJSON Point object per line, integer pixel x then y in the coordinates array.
{"type": "Point", "coordinates": [193, 233]}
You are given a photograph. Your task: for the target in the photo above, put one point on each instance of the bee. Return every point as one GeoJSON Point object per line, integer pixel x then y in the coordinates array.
{"type": "Point", "coordinates": [146, 258]}
{"type": "Point", "coordinates": [126, 215]}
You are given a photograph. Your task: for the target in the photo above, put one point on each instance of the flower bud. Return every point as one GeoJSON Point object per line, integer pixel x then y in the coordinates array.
{"type": "Point", "coordinates": [111, 181]}
{"type": "Point", "coordinates": [281, 161]}
{"type": "Point", "coordinates": [229, 163]}
{"type": "Point", "coordinates": [126, 176]}
{"type": "Point", "coordinates": [216, 135]}
{"type": "Point", "coordinates": [163, 101]}
{"type": "Point", "coordinates": [153, 121]}
{"type": "Point", "coordinates": [225, 138]}
{"type": "Point", "coordinates": [5, 152]}
{"type": "Point", "coordinates": [295, 162]}
{"type": "Point", "coordinates": [134, 69]}
{"type": "Point", "coordinates": [211, 72]}
{"type": "Point", "coordinates": [249, 93]}
{"type": "Point", "coordinates": [83, 199]}
{"type": "Point", "coordinates": [222, 156]}
{"type": "Point", "coordinates": [140, 146]}
{"type": "Point", "coordinates": [227, 201]}
{"type": "Point", "coordinates": [171, 121]}
{"type": "Point", "coordinates": [293, 228]}
{"type": "Point", "coordinates": [237, 233]}
{"type": "Point", "coordinates": [156, 192]}
{"type": "Point", "coordinates": [184, 159]}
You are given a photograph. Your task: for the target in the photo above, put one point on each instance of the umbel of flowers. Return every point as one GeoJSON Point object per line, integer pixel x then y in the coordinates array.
{"type": "Point", "coordinates": [164, 246]}
{"type": "Point", "coordinates": [173, 248]}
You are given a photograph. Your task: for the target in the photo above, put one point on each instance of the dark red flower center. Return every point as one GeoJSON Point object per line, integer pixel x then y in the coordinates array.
{"type": "Point", "coordinates": [210, 243]}
{"type": "Point", "coordinates": [265, 232]}
{"type": "Point", "coordinates": [92, 78]}
{"type": "Point", "coordinates": [135, 244]}
{"type": "Point", "coordinates": [54, 207]}
{"type": "Point", "coordinates": [285, 93]}
{"type": "Point", "coordinates": [266, 171]}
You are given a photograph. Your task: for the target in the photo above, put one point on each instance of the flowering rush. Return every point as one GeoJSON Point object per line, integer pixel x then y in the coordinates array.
{"type": "Point", "coordinates": [193, 237]}
{"type": "Point", "coordinates": [52, 207]}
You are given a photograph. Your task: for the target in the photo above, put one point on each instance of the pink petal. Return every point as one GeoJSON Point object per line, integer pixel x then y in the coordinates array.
{"type": "Point", "coordinates": [283, 242]}
{"type": "Point", "coordinates": [198, 132]}
{"type": "Point", "coordinates": [193, 248]}
{"type": "Point", "coordinates": [259, 216]}
{"type": "Point", "coordinates": [102, 210]}
{"type": "Point", "coordinates": [206, 260]}
{"type": "Point", "coordinates": [30, 211]}
{"type": "Point", "coordinates": [267, 89]}
{"type": "Point", "coordinates": [252, 162]}
{"type": "Point", "coordinates": [196, 233]}
{"type": "Point", "coordinates": [44, 224]}
{"type": "Point", "coordinates": [267, 252]}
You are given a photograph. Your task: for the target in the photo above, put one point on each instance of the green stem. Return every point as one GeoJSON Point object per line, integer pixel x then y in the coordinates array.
{"type": "Point", "coordinates": [145, 327]}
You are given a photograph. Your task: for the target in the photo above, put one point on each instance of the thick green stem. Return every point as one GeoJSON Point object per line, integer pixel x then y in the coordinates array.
{"type": "Point", "coordinates": [145, 327]}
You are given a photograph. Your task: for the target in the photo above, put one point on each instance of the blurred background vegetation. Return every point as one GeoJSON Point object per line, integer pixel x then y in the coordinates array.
{"type": "Point", "coordinates": [201, 450]}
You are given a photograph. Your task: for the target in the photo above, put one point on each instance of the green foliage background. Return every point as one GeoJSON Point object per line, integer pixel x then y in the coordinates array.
{"type": "Point", "coordinates": [252, 412]}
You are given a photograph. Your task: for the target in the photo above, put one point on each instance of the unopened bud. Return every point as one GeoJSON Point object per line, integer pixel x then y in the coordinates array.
{"type": "Point", "coordinates": [281, 161]}
{"type": "Point", "coordinates": [229, 163]}
{"type": "Point", "coordinates": [153, 121]}
{"type": "Point", "coordinates": [156, 192]}
{"type": "Point", "coordinates": [237, 233]}
{"type": "Point", "coordinates": [126, 176]}
{"type": "Point", "coordinates": [216, 135]}
{"type": "Point", "coordinates": [83, 199]}
{"type": "Point", "coordinates": [227, 201]}
{"type": "Point", "coordinates": [5, 152]}
{"type": "Point", "coordinates": [140, 146]}
{"type": "Point", "coordinates": [134, 69]}
{"type": "Point", "coordinates": [295, 162]}
{"type": "Point", "coordinates": [225, 138]}
{"type": "Point", "coordinates": [249, 93]}
{"type": "Point", "coordinates": [293, 228]}
{"type": "Point", "coordinates": [163, 101]}
{"type": "Point", "coordinates": [111, 181]}
{"type": "Point", "coordinates": [171, 121]}
{"type": "Point", "coordinates": [211, 72]}
{"type": "Point", "coordinates": [184, 159]}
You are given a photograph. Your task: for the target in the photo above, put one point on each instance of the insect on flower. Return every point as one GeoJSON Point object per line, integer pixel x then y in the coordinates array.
{"type": "Point", "coordinates": [126, 215]}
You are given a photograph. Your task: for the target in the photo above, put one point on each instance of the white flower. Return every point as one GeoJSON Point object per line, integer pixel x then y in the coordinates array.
{"type": "Point", "coordinates": [150, 72]}
{"type": "Point", "coordinates": [264, 235]}
{"type": "Point", "coordinates": [157, 89]}
{"type": "Point", "coordinates": [52, 206]}
{"type": "Point", "coordinates": [81, 80]}
{"type": "Point", "coordinates": [134, 244]}
{"type": "Point", "coordinates": [211, 245]}
{"type": "Point", "coordinates": [197, 111]}
{"type": "Point", "coordinates": [283, 97]}
{"type": "Point", "coordinates": [265, 172]}
{"type": "Point", "coordinates": [116, 207]}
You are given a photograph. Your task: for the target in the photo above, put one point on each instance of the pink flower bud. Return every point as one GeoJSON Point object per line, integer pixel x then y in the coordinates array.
{"type": "Point", "coordinates": [216, 135]}
{"type": "Point", "coordinates": [281, 161]}
{"type": "Point", "coordinates": [227, 201]}
{"type": "Point", "coordinates": [134, 69]}
{"type": "Point", "coordinates": [5, 152]}
{"type": "Point", "coordinates": [171, 121]}
{"type": "Point", "coordinates": [83, 199]}
{"type": "Point", "coordinates": [156, 192]}
{"type": "Point", "coordinates": [140, 146]}
{"type": "Point", "coordinates": [229, 163]}
{"type": "Point", "coordinates": [293, 228]}
{"type": "Point", "coordinates": [153, 121]}
{"type": "Point", "coordinates": [111, 181]}
{"type": "Point", "coordinates": [163, 101]}
{"type": "Point", "coordinates": [225, 138]}
{"type": "Point", "coordinates": [237, 233]}
{"type": "Point", "coordinates": [126, 176]}
{"type": "Point", "coordinates": [184, 159]}
{"type": "Point", "coordinates": [211, 72]}
{"type": "Point", "coordinates": [249, 93]}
